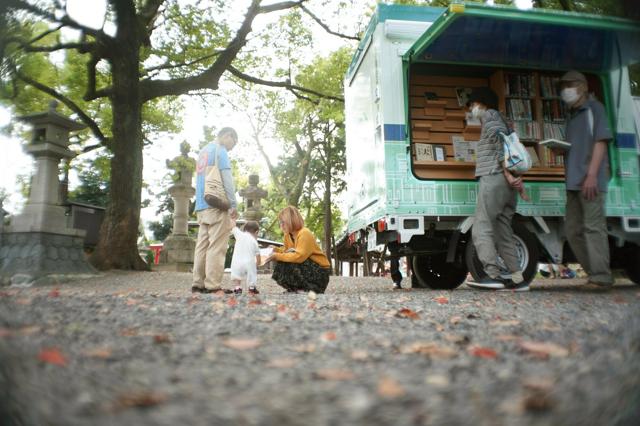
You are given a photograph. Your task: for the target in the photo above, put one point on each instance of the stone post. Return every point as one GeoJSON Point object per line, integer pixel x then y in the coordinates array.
{"type": "Point", "coordinates": [178, 249]}
{"type": "Point", "coordinates": [38, 245]}
{"type": "Point", "coordinates": [252, 196]}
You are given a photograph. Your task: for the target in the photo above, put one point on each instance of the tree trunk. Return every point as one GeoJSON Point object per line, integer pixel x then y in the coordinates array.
{"type": "Point", "coordinates": [117, 247]}
{"type": "Point", "coordinates": [327, 199]}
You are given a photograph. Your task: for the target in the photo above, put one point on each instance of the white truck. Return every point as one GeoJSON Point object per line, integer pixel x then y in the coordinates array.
{"type": "Point", "coordinates": [410, 145]}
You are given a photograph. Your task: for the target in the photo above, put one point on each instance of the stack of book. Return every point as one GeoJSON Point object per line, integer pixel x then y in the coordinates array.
{"type": "Point", "coordinates": [553, 110]}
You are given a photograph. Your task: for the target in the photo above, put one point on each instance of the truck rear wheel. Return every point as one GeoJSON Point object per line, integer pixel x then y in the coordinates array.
{"type": "Point", "coordinates": [632, 264]}
{"type": "Point", "coordinates": [433, 271]}
{"type": "Point", "coordinates": [526, 247]}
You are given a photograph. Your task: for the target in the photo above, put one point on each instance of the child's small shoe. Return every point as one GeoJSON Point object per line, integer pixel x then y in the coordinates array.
{"type": "Point", "coordinates": [253, 290]}
{"type": "Point", "coordinates": [237, 290]}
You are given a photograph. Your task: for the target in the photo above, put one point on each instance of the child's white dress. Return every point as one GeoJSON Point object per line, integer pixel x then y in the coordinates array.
{"type": "Point", "coordinates": [243, 262]}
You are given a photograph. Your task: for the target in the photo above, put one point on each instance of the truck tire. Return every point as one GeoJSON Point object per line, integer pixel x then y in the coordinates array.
{"type": "Point", "coordinates": [632, 264]}
{"type": "Point", "coordinates": [526, 246]}
{"type": "Point", "coordinates": [433, 271]}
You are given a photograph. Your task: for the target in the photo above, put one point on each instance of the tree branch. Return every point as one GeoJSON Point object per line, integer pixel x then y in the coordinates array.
{"type": "Point", "coordinates": [63, 21]}
{"type": "Point", "coordinates": [93, 126]}
{"type": "Point", "coordinates": [209, 78]}
{"type": "Point", "coordinates": [167, 66]}
{"type": "Point", "coordinates": [325, 26]}
{"type": "Point", "coordinates": [285, 84]}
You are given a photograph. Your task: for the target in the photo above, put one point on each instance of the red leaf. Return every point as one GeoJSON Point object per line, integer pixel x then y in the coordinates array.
{"type": "Point", "coordinates": [482, 352]}
{"type": "Point", "coordinates": [442, 300]}
{"type": "Point", "coordinates": [162, 338]}
{"type": "Point", "coordinates": [407, 313]}
{"type": "Point", "coordinates": [254, 302]}
{"type": "Point", "coordinates": [282, 308]}
{"type": "Point", "coordinates": [54, 293]}
{"type": "Point", "coordinates": [52, 356]}
{"type": "Point", "coordinates": [232, 301]}
{"type": "Point", "coordinates": [328, 336]}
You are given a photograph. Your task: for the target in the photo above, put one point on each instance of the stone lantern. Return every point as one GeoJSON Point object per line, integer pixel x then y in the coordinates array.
{"type": "Point", "coordinates": [252, 196]}
{"type": "Point", "coordinates": [178, 249]}
{"type": "Point", "coordinates": [38, 245]}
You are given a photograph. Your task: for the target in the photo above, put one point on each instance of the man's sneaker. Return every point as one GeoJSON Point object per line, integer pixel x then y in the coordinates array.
{"type": "Point", "coordinates": [488, 283]}
{"type": "Point", "coordinates": [237, 290]}
{"type": "Point", "coordinates": [195, 289]}
{"type": "Point", "coordinates": [397, 286]}
{"type": "Point", "coordinates": [253, 290]}
{"type": "Point", "coordinates": [520, 287]}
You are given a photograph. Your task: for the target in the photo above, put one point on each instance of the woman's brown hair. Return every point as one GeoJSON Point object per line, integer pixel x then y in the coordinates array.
{"type": "Point", "coordinates": [292, 218]}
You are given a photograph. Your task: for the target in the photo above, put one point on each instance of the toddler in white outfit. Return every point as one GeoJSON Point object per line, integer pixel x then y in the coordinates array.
{"type": "Point", "coordinates": [246, 257]}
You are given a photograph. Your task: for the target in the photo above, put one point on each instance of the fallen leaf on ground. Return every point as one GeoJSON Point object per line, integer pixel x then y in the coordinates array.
{"type": "Point", "coordinates": [442, 300]}
{"type": "Point", "coordinates": [305, 348]}
{"type": "Point", "coordinates": [544, 349]}
{"type": "Point", "coordinates": [456, 338]}
{"type": "Point", "coordinates": [328, 336]}
{"type": "Point", "coordinates": [430, 349]}
{"type": "Point", "coordinates": [23, 301]}
{"type": "Point", "coordinates": [132, 302]}
{"type": "Point", "coordinates": [504, 323]}
{"type": "Point", "coordinates": [282, 363]}
{"type": "Point", "coordinates": [437, 380]}
{"type": "Point", "coordinates": [5, 332]}
{"type": "Point", "coordinates": [242, 344]}
{"type": "Point", "coordinates": [232, 301]}
{"type": "Point", "coordinates": [455, 320]}
{"type": "Point", "coordinates": [483, 352]}
{"type": "Point", "coordinates": [407, 313]}
{"type": "Point", "coordinates": [254, 302]}
{"type": "Point", "coordinates": [161, 338]}
{"type": "Point", "coordinates": [282, 308]}
{"type": "Point", "coordinates": [102, 353]}
{"type": "Point", "coordinates": [54, 293]}
{"type": "Point", "coordinates": [128, 332]}
{"type": "Point", "coordinates": [388, 387]}
{"type": "Point", "coordinates": [52, 356]}
{"type": "Point", "coordinates": [334, 374]}
{"type": "Point", "coordinates": [359, 355]}
{"type": "Point", "coordinates": [620, 300]}
{"type": "Point", "coordinates": [507, 337]}
{"type": "Point", "coordinates": [266, 318]}
{"type": "Point", "coordinates": [140, 399]}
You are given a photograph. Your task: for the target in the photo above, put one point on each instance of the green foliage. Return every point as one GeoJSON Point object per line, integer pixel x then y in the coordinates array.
{"type": "Point", "coordinates": [94, 176]}
{"type": "Point", "coordinates": [162, 228]}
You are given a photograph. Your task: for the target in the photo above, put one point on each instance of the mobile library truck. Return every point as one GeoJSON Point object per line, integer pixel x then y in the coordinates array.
{"type": "Point", "coordinates": [411, 145]}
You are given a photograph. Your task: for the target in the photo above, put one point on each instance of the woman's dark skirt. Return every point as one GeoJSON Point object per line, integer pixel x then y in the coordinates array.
{"type": "Point", "coordinates": [305, 276]}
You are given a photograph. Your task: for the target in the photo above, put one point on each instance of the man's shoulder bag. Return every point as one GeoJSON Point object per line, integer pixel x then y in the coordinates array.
{"type": "Point", "coordinates": [214, 193]}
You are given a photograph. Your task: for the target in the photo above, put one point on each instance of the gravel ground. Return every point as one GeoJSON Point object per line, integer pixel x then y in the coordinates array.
{"type": "Point", "coordinates": [140, 349]}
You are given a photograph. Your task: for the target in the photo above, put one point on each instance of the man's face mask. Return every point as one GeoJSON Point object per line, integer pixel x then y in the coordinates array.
{"type": "Point", "coordinates": [570, 95]}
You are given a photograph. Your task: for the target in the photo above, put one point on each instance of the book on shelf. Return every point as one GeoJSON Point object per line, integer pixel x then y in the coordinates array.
{"type": "Point", "coordinates": [527, 129]}
{"type": "Point", "coordinates": [554, 110]}
{"type": "Point", "coordinates": [555, 144]}
{"type": "Point", "coordinates": [440, 153]}
{"type": "Point", "coordinates": [549, 86]}
{"type": "Point", "coordinates": [519, 109]}
{"type": "Point", "coordinates": [553, 131]}
{"type": "Point", "coordinates": [464, 150]}
{"type": "Point", "coordinates": [535, 161]}
{"type": "Point", "coordinates": [462, 94]}
{"type": "Point", "coordinates": [424, 152]}
{"type": "Point", "coordinates": [519, 85]}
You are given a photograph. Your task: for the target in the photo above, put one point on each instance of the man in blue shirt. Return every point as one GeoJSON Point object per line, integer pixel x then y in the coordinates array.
{"type": "Point", "coordinates": [587, 178]}
{"type": "Point", "coordinates": [214, 223]}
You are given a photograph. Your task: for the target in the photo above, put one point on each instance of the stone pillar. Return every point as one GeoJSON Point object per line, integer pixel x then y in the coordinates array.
{"type": "Point", "coordinates": [178, 249]}
{"type": "Point", "coordinates": [39, 246]}
{"type": "Point", "coordinates": [252, 196]}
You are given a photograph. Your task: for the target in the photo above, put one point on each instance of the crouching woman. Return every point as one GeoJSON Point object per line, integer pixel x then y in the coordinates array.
{"type": "Point", "coordinates": [300, 265]}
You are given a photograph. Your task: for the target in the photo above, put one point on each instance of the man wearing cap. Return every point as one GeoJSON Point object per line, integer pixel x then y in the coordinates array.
{"type": "Point", "coordinates": [587, 177]}
{"type": "Point", "coordinates": [214, 223]}
{"type": "Point", "coordinates": [496, 201]}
